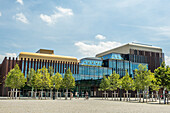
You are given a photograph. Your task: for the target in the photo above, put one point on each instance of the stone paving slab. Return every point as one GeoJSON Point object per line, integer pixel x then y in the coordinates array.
{"type": "Point", "coordinates": [93, 105]}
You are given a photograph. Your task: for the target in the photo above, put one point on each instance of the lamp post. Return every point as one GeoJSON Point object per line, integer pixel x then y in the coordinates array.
{"type": "Point", "coordinates": [120, 93]}
{"type": "Point", "coordinates": [54, 92]}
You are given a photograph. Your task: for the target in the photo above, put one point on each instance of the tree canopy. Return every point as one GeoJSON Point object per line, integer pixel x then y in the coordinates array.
{"type": "Point", "coordinates": [15, 78]}
{"type": "Point", "coordinates": [162, 75]}
{"type": "Point", "coordinates": [31, 78]}
{"type": "Point", "coordinates": [143, 77]}
{"type": "Point", "coordinates": [105, 84]}
{"type": "Point", "coordinates": [43, 80]}
{"type": "Point", "coordinates": [57, 80]}
{"type": "Point", "coordinates": [114, 80]}
{"type": "Point", "coordinates": [127, 82]}
{"type": "Point", "coordinates": [68, 80]}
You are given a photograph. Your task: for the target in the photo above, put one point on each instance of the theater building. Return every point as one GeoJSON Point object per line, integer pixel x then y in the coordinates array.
{"type": "Point", "coordinates": [87, 71]}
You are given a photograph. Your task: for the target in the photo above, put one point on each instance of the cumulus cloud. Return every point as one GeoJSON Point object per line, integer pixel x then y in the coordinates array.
{"type": "Point", "coordinates": [61, 12]}
{"type": "Point", "coordinates": [100, 37]}
{"type": "Point", "coordinates": [21, 17]}
{"type": "Point", "coordinates": [21, 2]}
{"type": "Point", "coordinates": [7, 55]}
{"type": "Point", "coordinates": [162, 30]}
{"type": "Point", "coordinates": [92, 49]}
{"type": "Point", "coordinates": [167, 60]}
{"type": "Point", "coordinates": [0, 14]}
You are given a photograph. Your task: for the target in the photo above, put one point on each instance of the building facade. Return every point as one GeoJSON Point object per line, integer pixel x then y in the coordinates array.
{"type": "Point", "coordinates": [88, 71]}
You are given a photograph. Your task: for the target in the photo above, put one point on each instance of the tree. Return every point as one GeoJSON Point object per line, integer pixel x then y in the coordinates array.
{"type": "Point", "coordinates": [114, 82]}
{"type": "Point", "coordinates": [104, 85]}
{"type": "Point", "coordinates": [57, 80]}
{"type": "Point", "coordinates": [31, 79]}
{"type": "Point", "coordinates": [43, 80]}
{"type": "Point", "coordinates": [68, 82]}
{"type": "Point", "coordinates": [51, 70]}
{"type": "Point", "coordinates": [143, 78]}
{"type": "Point", "coordinates": [162, 75]}
{"type": "Point", "coordinates": [154, 87]}
{"type": "Point", "coordinates": [15, 79]}
{"type": "Point", "coordinates": [127, 83]}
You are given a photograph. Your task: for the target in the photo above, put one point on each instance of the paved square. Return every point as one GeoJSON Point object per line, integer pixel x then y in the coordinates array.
{"type": "Point", "coordinates": [94, 105]}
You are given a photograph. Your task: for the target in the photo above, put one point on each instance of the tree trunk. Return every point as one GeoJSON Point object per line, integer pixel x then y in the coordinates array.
{"type": "Point", "coordinates": [127, 94]}
{"type": "Point", "coordinates": [51, 93]}
{"type": "Point", "coordinates": [143, 95]}
{"type": "Point", "coordinates": [146, 96]}
{"type": "Point", "coordinates": [16, 94]}
{"type": "Point", "coordinates": [164, 95]}
{"type": "Point", "coordinates": [156, 95]}
{"type": "Point", "coordinates": [57, 94]}
{"type": "Point", "coordinates": [137, 94]}
{"type": "Point", "coordinates": [114, 94]}
{"type": "Point", "coordinates": [13, 93]}
{"type": "Point", "coordinates": [32, 92]}
{"type": "Point", "coordinates": [41, 93]}
{"type": "Point", "coordinates": [152, 96]}
{"type": "Point", "coordinates": [35, 93]}
{"type": "Point", "coordinates": [66, 95]}
{"type": "Point", "coordinates": [105, 94]}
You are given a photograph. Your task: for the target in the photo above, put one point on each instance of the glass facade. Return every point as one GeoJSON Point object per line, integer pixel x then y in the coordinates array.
{"type": "Point", "coordinates": [90, 62]}
{"type": "Point", "coordinates": [80, 72]}
{"type": "Point", "coordinates": [112, 56]}
{"type": "Point", "coordinates": [121, 66]}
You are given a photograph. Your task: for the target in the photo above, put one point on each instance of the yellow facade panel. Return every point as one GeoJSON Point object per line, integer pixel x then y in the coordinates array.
{"type": "Point", "coordinates": [47, 57]}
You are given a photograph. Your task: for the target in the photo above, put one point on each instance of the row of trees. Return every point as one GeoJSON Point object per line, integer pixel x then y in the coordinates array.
{"type": "Point", "coordinates": [41, 79]}
{"type": "Point", "coordinates": [143, 80]}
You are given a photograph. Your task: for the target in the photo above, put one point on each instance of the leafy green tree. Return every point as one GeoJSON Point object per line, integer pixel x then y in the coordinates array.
{"type": "Point", "coordinates": [143, 78]}
{"type": "Point", "coordinates": [57, 80]}
{"type": "Point", "coordinates": [15, 79]}
{"type": "Point", "coordinates": [114, 82]}
{"type": "Point", "coordinates": [104, 85]}
{"type": "Point", "coordinates": [154, 87]}
{"type": "Point", "coordinates": [68, 82]}
{"type": "Point", "coordinates": [51, 70]}
{"type": "Point", "coordinates": [43, 80]}
{"type": "Point", "coordinates": [127, 83]}
{"type": "Point", "coordinates": [31, 79]}
{"type": "Point", "coordinates": [162, 75]}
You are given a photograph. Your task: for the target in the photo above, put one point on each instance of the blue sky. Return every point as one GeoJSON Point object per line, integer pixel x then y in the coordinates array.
{"type": "Point", "coordinates": [82, 28]}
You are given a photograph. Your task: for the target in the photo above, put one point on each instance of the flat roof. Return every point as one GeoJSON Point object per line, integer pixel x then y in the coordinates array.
{"type": "Point", "coordinates": [91, 58]}
{"type": "Point", "coordinates": [124, 49]}
{"type": "Point", "coordinates": [46, 56]}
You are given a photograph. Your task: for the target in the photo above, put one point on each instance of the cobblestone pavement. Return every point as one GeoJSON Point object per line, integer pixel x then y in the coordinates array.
{"type": "Point", "coordinates": [93, 105]}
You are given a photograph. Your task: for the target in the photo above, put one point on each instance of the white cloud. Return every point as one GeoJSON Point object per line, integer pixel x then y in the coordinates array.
{"type": "Point", "coordinates": [167, 60]}
{"type": "Point", "coordinates": [7, 55]}
{"type": "Point", "coordinates": [21, 17]}
{"type": "Point", "coordinates": [93, 49]}
{"type": "Point", "coordinates": [128, 3]}
{"type": "Point", "coordinates": [100, 37]}
{"type": "Point", "coordinates": [21, 2]}
{"type": "Point", "coordinates": [52, 19]}
{"type": "Point", "coordinates": [0, 14]}
{"type": "Point", "coordinates": [162, 31]}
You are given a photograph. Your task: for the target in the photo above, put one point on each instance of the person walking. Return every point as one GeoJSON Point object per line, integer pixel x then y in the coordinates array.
{"type": "Point", "coordinates": [71, 95]}
{"type": "Point", "coordinates": [75, 95]}
{"type": "Point", "coordinates": [86, 95]}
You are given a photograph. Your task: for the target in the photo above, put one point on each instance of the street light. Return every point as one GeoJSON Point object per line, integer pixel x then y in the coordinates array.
{"type": "Point", "coordinates": [54, 92]}
{"type": "Point", "coordinates": [120, 93]}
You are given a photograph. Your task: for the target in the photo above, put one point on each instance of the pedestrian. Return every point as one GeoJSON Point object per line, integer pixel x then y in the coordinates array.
{"type": "Point", "coordinates": [86, 95]}
{"type": "Point", "coordinates": [76, 95]}
{"type": "Point", "coordinates": [71, 95]}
